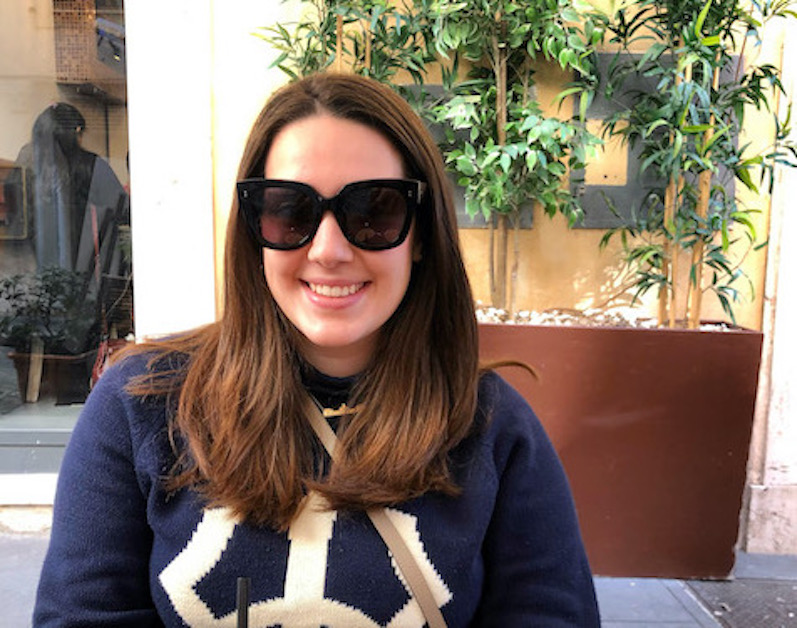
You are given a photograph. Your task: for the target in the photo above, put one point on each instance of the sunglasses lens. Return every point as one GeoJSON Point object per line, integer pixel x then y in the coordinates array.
{"type": "Point", "coordinates": [286, 217]}
{"type": "Point", "coordinates": [375, 217]}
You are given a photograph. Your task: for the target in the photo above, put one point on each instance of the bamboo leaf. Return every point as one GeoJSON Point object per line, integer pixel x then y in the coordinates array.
{"type": "Point", "coordinates": [701, 19]}
{"type": "Point", "coordinates": [653, 126]}
{"type": "Point", "coordinates": [743, 174]}
{"type": "Point", "coordinates": [695, 129]}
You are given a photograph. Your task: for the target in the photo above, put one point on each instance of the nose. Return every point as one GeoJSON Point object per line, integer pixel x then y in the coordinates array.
{"type": "Point", "coordinates": [329, 246]}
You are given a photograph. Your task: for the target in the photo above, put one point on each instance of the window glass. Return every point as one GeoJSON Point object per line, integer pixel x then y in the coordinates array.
{"type": "Point", "coordinates": [65, 249]}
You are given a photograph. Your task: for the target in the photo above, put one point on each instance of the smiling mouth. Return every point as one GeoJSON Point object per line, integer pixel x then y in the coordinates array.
{"type": "Point", "coordinates": [335, 291]}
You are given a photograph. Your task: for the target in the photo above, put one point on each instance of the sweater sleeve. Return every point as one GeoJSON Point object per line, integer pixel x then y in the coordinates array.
{"type": "Point", "coordinates": [536, 569]}
{"type": "Point", "coordinates": [96, 569]}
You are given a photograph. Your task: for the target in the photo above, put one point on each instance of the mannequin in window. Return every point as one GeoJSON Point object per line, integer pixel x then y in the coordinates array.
{"type": "Point", "coordinates": [69, 181]}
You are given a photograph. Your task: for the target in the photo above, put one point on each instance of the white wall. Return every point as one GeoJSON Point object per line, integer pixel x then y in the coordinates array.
{"type": "Point", "coordinates": [168, 65]}
{"type": "Point", "coordinates": [197, 77]}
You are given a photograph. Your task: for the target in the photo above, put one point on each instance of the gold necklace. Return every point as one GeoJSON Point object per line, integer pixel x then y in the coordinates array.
{"type": "Point", "coordinates": [342, 410]}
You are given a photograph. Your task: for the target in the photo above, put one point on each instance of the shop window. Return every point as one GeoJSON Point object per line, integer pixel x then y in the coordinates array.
{"type": "Point", "coordinates": [65, 249]}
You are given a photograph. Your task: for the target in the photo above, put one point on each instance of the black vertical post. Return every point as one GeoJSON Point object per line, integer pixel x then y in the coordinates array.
{"type": "Point", "coordinates": [242, 602]}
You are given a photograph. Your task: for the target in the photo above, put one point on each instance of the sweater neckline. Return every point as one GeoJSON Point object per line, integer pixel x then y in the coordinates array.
{"type": "Point", "coordinates": [331, 392]}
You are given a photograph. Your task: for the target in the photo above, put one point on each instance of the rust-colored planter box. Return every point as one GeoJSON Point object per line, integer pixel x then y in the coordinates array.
{"type": "Point", "coordinates": [653, 427]}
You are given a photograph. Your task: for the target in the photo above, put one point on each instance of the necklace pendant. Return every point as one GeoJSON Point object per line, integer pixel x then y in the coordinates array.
{"type": "Point", "coordinates": [342, 410]}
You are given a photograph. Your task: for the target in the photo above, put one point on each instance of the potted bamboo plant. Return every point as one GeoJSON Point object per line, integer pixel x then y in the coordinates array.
{"type": "Point", "coordinates": [654, 424]}
{"type": "Point", "coordinates": [507, 153]}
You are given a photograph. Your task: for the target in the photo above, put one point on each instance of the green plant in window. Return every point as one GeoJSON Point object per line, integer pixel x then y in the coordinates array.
{"type": "Point", "coordinates": [50, 306]}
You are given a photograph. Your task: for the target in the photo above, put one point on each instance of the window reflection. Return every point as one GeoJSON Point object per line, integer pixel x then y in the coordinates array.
{"type": "Point", "coordinates": [65, 255]}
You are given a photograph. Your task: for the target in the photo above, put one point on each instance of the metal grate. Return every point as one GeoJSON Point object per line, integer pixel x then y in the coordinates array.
{"type": "Point", "coordinates": [75, 45]}
{"type": "Point", "coordinates": [749, 603]}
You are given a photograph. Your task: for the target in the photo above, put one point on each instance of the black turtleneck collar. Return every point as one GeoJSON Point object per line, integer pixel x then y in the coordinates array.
{"type": "Point", "coordinates": [330, 392]}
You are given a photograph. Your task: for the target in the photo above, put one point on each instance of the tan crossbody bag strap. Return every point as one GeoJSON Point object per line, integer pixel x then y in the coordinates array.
{"type": "Point", "coordinates": [395, 543]}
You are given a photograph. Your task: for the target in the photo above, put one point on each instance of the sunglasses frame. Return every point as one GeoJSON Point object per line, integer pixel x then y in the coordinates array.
{"type": "Point", "coordinates": [411, 189]}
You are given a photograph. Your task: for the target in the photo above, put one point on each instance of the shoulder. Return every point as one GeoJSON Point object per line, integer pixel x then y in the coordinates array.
{"type": "Point", "coordinates": [111, 409]}
{"type": "Point", "coordinates": [102, 175]}
{"type": "Point", "coordinates": [496, 396]}
{"type": "Point", "coordinates": [536, 568]}
{"type": "Point", "coordinates": [505, 417]}
{"type": "Point", "coordinates": [111, 387]}
{"type": "Point", "coordinates": [117, 379]}
{"type": "Point", "coordinates": [100, 165]}
{"type": "Point", "coordinates": [513, 440]}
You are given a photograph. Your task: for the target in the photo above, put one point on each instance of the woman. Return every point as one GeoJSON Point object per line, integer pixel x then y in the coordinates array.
{"type": "Point", "coordinates": [195, 463]}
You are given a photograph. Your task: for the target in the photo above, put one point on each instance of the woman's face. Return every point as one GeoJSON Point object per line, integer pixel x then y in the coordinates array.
{"type": "Point", "coordinates": [337, 295]}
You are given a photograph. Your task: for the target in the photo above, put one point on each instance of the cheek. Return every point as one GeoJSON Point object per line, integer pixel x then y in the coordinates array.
{"type": "Point", "coordinates": [399, 268]}
{"type": "Point", "coordinates": [278, 266]}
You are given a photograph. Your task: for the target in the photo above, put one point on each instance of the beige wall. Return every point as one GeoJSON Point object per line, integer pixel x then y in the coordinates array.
{"type": "Point", "coordinates": [771, 502]}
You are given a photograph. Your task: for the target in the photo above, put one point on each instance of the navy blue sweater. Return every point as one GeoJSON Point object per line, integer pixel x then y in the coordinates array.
{"type": "Point", "coordinates": [507, 552]}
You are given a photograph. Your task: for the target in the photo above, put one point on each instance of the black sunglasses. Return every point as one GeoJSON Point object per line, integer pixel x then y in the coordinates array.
{"type": "Point", "coordinates": [373, 215]}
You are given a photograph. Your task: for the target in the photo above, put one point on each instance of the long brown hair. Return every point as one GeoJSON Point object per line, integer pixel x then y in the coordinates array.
{"type": "Point", "coordinates": [241, 414]}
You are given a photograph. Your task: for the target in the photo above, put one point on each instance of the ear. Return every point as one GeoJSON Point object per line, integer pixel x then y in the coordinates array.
{"type": "Point", "coordinates": [417, 252]}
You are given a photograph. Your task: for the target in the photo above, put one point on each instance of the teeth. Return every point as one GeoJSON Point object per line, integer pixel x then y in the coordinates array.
{"type": "Point", "coordinates": [335, 291]}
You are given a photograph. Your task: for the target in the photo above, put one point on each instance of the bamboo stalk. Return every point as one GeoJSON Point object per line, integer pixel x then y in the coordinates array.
{"type": "Point", "coordinates": [515, 263]}
{"type": "Point", "coordinates": [704, 196]}
{"type": "Point", "coordinates": [500, 260]}
{"type": "Point", "coordinates": [339, 44]}
{"type": "Point", "coordinates": [493, 271]}
{"type": "Point", "coordinates": [696, 286]}
{"type": "Point", "coordinates": [501, 252]}
{"type": "Point", "coordinates": [673, 249]}
{"type": "Point", "coordinates": [499, 53]}
{"type": "Point", "coordinates": [669, 263]}
{"type": "Point", "coordinates": [367, 39]}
